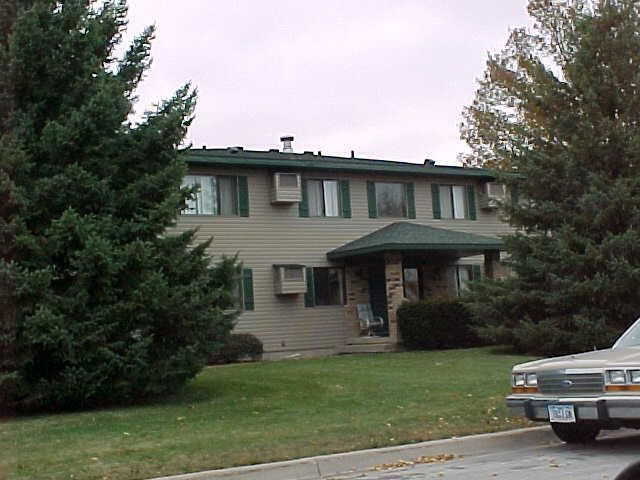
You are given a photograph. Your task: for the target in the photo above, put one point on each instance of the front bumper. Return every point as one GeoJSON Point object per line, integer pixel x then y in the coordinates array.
{"type": "Point", "coordinates": [602, 408]}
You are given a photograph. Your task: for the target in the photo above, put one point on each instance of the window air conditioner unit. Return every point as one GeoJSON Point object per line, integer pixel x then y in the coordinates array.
{"type": "Point", "coordinates": [493, 195]}
{"type": "Point", "coordinates": [289, 279]}
{"type": "Point", "coordinates": [286, 188]}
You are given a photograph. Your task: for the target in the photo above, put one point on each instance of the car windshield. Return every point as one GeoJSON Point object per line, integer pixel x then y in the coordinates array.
{"type": "Point", "coordinates": [630, 338]}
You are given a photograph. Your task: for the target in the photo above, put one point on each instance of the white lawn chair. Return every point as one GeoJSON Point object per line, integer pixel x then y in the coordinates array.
{"type": "Point", "coordinates": [368, 321]}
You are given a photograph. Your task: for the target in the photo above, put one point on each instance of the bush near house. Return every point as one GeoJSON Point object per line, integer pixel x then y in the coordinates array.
{"type": "Point", "coordinates": [239, 346]}
{"type": "Point", "coordinates": [436, 324]}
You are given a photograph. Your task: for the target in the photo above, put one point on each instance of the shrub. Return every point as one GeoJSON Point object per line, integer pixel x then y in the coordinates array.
{"type": "Point", "coordinates": [552, 336]}
{"type": "Point", "coordinates": [239, 346]}
{"type": "Point", "coordinates": [436, 324]}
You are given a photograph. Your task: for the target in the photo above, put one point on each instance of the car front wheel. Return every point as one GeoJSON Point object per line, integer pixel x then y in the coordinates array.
{"type": "Point", "coordinates": [576, 432]}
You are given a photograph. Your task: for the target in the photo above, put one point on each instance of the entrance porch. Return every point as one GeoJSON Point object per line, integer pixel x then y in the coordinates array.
{"type": "Point", "coordinates": [406, 262]}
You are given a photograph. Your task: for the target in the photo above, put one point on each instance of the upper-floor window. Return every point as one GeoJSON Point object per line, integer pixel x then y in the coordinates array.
{"type": "Point", "coordinates": [217, 195]}
{"type": "Point", "coordinates": [323, 197]}
{"type": "Point", "coordinates": [391, 199]}
{"type": "Point", "coordinates": [454, 202]}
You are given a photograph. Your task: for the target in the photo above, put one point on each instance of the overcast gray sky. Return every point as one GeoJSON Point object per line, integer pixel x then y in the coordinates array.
{"type": "Point", "coordinates": [386, 78]}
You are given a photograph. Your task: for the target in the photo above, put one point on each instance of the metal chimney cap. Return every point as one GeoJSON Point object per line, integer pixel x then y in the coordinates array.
{"type": "Point", "coordinates": [286, 143]}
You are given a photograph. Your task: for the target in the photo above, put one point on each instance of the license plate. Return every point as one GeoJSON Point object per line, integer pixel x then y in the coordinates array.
{"type": "Point", "coordinates": [561, 414]}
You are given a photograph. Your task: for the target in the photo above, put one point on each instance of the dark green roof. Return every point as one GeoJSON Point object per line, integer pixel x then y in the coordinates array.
{"type": "Point", "coordinates": [310, 161]}
{"type": "Point", "coordinates": [405, 236]}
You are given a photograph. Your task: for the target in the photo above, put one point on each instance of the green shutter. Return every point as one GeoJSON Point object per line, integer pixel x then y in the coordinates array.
{"type": "Point", "coordinates": [247, 288]}
{"type": "Point", "coordinates": [515, 196]}
{"type": "Point", "coordinates": [345, 198]}
{"type": "Point", "coordinates": [471, 202]}
{"type": "Point", "coordinates": [411, 201]}
{"type": "Point", "coordinates": [309, 296]}
{"type": "Point", "coordinates": [371, 199]}
{"type": "Point", "coordinates": [435, 200]}
{"type": "Point", "coordinates": [243, 197]}
{"type": "Point", "coordinates": [476, 273]}
{"type": "Point", "coordinates": [303, 206]}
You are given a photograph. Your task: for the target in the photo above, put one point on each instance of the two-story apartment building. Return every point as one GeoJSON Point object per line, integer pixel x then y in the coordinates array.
{"type": "Point", "coordinates": [320, 235]}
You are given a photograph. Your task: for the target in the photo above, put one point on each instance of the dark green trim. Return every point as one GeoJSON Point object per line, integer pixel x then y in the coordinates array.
{"type": "Point", "coordinates": [303, 206]}
{"type": "Point", "coordinates": [471, 202]}
{"type": "Point", "coordinates": [411, 200]}
{"type": "Point", "coordinates": [309, 161]}
{"type": "Point", "coordinates": [345, 198]}
{"type": "Point", "coordinates": [243, 197]}
{"type": "Point", "coordinates": [435, 201]}
{"type": "Point", "coordinates": [371, 199]}
{"type": "Point", "coordinates": [466, 247]}
{"type": "Point", "coordinates": [476, 272]}
{"type": "Point", "coordinates": [310, 295]}
{"type": "Point", "coordinates": [247, 289]}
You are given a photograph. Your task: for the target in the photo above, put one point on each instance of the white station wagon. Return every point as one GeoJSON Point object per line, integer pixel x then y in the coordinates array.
{"type": "Point", "coordinates": [582, 394]}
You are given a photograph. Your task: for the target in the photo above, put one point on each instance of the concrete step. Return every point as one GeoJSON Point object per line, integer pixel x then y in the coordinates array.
{"type": "Point", "coordinates": [367, 340]}
{"type": "Point", "coordinates": [369, 348]}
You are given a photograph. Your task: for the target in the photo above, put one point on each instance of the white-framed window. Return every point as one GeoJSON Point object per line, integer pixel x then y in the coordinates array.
{"type": "Point", "coordinates": [453, 201]}
{"type": "Point", "coordinates": [458, 277]}
{"type": "Point", "coordinates": [216, 195]}
{"type": "Point", "coordinates": [391, 199]}
{"type": "Point", "coordinates": [411, 283]}
{"type": "Point", "coordinates": [323, 198]}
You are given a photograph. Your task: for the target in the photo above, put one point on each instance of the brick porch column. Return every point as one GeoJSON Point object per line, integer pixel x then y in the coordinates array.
{"type": "Point", "coordinates": [393, 278]}
{"type": "Point", "coordinates": [357, 290]}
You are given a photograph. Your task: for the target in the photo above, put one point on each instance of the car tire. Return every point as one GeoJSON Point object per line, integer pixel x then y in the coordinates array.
{"type": "Point", "coordinates": [576, 432]}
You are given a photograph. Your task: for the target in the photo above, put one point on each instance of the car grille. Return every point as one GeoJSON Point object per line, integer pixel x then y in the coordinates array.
{"type": "Point", "coordinates": [559, 383]}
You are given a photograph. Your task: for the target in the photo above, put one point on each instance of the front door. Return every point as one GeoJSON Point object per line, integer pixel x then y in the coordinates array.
{"type": "Point", "coordinates": [378, 294]}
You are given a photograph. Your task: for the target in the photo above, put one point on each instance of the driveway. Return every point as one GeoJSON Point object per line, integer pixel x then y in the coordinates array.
{"type": "Point", "coordinates": [602, 460]}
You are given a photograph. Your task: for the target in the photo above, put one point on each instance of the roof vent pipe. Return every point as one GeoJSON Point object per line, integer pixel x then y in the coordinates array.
{"type": "Point", "coordinates": [286, 144]}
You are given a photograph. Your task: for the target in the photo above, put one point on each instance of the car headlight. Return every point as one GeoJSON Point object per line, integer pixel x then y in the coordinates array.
{"type": "Point", "coordinates": [634, 375]}
{"type": "Point", "coordinates": [616, 376]}
{"type": "Point", "coordinates": [518, 379]}
{"type": "Point", "coordinates": [532, 379]}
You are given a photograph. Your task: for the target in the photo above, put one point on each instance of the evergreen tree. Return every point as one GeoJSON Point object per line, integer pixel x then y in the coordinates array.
{"type": "Point", "coordinates": [557, 115]}
{"type": "Point", "coordinates": [9, 154]}
{"type": "Point", "coordinates": [110, 307]}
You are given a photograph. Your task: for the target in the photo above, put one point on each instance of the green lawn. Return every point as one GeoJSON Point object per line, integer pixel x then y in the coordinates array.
{"type": "Point", "coordinates": [253, 413]}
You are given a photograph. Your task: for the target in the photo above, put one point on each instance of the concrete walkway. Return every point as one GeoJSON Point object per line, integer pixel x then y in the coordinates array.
{"type": "Point", "coordinates": [324, 466]}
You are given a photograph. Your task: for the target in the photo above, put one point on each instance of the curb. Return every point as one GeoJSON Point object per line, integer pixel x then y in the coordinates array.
{"type": "Point", "coordinates": [323, 466]}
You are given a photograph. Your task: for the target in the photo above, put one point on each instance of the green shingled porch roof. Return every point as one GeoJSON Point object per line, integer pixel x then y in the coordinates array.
{"type": "Point", "coordinates": [309, 161]}
{"type": "Point", "coordinates": [406, 236]}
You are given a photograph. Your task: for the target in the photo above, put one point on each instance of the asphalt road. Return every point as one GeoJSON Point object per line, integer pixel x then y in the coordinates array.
{"type": "Point", "coordinates": [602, 460]}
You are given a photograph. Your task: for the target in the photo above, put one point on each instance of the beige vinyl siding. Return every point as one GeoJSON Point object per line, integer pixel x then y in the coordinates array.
{"type": "Point", "coordinates": [275, 234]}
